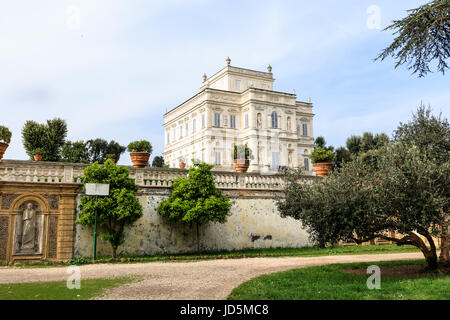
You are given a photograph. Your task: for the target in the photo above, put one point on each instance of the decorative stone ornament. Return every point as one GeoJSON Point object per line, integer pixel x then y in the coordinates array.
{"type": "Point", "coordinates": [269, 68]}
{"type": "Point", "coordinates": [204, 77]}
{"type": "Point", "coordinates": [228, 61]}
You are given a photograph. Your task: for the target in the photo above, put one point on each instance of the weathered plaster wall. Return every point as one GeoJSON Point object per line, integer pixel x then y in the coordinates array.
{"type": "Point", "coordinates": [254, 223]}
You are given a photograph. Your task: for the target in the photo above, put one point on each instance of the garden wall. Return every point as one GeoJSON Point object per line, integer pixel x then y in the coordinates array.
{"type": "Point", "coordinates": [49, 193]}
{"type": "Point", "coordinates": [254, 223]}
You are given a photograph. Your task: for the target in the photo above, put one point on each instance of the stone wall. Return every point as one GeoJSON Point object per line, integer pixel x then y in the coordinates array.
{"type": "Point", "coordinates": [254, 223]}
{"type": "Point", "coordinates": [51, 228]}
{"type": "Point", "coordinates": [53, 190]}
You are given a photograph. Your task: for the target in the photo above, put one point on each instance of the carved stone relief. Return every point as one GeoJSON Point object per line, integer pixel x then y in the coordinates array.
{"type": "Point", "coordinates": [29, 227]}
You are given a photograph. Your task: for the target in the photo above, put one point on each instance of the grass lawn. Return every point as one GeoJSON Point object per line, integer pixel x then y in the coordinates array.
{"type": "Point", "coordinates": [57, 290]}
{"type": "Point", "coordinates": [278, 252]}
{"type": "Point", "coordinates": [402, 280]}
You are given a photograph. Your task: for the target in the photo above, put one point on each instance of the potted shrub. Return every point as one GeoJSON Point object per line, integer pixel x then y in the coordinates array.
{"type": "Point", "coordinates": [5, 139]}
{"type": "Point", "coordinates": [182, 162]}
{"type": "Point", "coordinates": [140, 152]}
{"type": "Point", "coordinates": [322, 160]}
{"type": "Point", "coordinates": [37, 154]}
{"type": "Point", "coordinates": [112, 157]}
{"type": "Point", "coordinates": [242, 156]}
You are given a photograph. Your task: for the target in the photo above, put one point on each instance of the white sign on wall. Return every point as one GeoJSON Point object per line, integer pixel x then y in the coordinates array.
{"type": "Point", "coordinates": [97, 189]}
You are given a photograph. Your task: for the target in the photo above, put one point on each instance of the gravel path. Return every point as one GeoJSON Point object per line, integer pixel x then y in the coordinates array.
{"type": "Point", "coordinates": [210, 279]}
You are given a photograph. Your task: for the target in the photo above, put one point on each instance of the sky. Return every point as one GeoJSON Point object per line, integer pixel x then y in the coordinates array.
{"type": "Point", "coordinates": [111, 68]}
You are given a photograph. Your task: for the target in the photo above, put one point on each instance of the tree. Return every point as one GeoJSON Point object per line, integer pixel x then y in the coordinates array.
{"type": "Point", "coordinates": [354, 144]}
{"type": "Point", "coordinates": [48, 138]}
{"type": "Point", "coordinates": [422, 36]}
{"type": "Point", "coordinates": [115, 211]}
{"type": "Point", "coordinates": [431, 134]}
{"type": "Point", "coordinates": [320, 142]}
{"type": "Point", "coordinates": [76, 152]}
{"type": "Point", "coordinates": [195, 200]}
{"type": "Point", "coordinates": [100, 149]}
{"type": "Point", "coordinates": [399, 197]}
{"type": "Point", "coordinates": [342, 155]}
{"type": "Point", "coordinates": [158, 162]}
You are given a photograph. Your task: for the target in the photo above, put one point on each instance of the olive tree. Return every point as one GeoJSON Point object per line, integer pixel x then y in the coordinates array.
{"type": "Point", "coordinates": [399, 189]}
{"type": "Point", "coordinates": [195, 199]}
{"type": "Point", "coordinates": [115, 211]}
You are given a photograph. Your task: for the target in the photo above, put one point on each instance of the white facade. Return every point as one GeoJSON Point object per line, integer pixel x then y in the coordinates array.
{"type": "Point", "coordinates": [238, 106]}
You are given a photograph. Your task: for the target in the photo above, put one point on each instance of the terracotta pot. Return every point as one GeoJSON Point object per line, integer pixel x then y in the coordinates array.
{"type": "Point", "coordinates": [3, 147]}
{"type": "Point", "coordinates": [139, 159]}
{"type": "Point", "coordinates": [113, 160]}
{"type": "Point", "coordinates": [37, 157]}
{"type": "Point", "coordinates": [322, 168]}
{"type": "Point", "coordinates": [241, 165]}
{"type": "Point", "coordinates": [182, 165]}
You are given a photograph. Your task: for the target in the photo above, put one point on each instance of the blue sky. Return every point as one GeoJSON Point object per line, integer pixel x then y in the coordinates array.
{"type": "Point", "coordinates": [114, 73]}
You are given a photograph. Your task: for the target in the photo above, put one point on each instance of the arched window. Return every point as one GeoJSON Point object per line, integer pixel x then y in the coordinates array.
{"type": "Point", "coordinates": [274, 120]}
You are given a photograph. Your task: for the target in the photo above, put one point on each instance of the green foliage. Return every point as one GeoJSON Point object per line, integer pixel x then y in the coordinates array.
{"type": "Point", "coordinates": [5, 134]}
{"type": "Point", "coordinates": [140, 146]}
{"type": "Point", "coordinates": [38, 151]}
{"type": "Point", "coordinates": [115, 211]}
{"type": "Point", "coordinates": [342, 155]}
{"type": "Point", "coordinates": [96, 150]}
{"type": "Point", "coordinates": [397, 188]}
{"type": "Point", "coordinates": [195, 199]}
{"type": "Point", "coordinates": [354, 144]}
{"type": "Point", "coordinates": [158, 162]}
{"type": "Point", "coordinates": [75, 152]}
{"type": "Point", "coordinates": [320, 142]}
{"type": "Point", "coordinates": [320, 154]}
{"type": "Point", "coordinates": [99, 149]}
{"type": "Point", "coordinates": [242, 151]}
{"type": "Point", "coordinates": [430, 133]}
{"type": "Point", "coordinates": [422, 37]}
{"type": "Point", "coordinates": [48, 137]}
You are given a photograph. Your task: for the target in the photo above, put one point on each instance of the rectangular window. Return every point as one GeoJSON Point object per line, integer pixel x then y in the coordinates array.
{"type": "Point", "coordinates": [173, 135]}
{"type": "Point", "coordinates": [238, 84]}
{"type": "Point", "coordinates": [275, 161]}
{"type": "Point", "coordinates": [218, 160]}
{"type": "Point", "coordinates": [168, 137]}
{"type": "Point", "coordinates": [181, 132]}
{"type": "Point", "coordinates": [194, 125]}
{"type": "Point", "coordinates": [306, 163]}
{"type": "Point", "coordinates": [246, 120]}
{"type": "Point", "coordinates": [233, 121]}
{"type": "Point", "coordinates": [217, 119]}
{"type": "Point", "coordinates": [203, 120]}
{"type": "Point", "coordinates": [305, 129]}
{"type": "Point", "coordinates": [203, 156]}
{"type": "Point", "coordinates": [187, 128]}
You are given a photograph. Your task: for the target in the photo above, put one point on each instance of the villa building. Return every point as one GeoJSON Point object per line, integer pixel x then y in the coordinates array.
{"type": "Point", "coordinates": [237, 106]}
